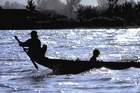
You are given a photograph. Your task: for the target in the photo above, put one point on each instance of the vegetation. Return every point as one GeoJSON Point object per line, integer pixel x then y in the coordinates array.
{"type": "Point", "coordinates": [31, 6]}
{"type": "Point", "coordinates": [115, 14]}
{"type": "Point", "coordinates": [86, 13]}
{"type": "Point", "coordinates": [128, 12]}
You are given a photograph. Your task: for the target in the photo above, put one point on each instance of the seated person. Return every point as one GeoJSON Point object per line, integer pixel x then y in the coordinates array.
{"type": "Point", "coordinates": [96, 53]}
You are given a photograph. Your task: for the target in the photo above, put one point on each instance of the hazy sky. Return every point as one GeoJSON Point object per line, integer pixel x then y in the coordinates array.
{"type": "Point", "coordinates": [86, 2]}
{"type": "Point", "coordinates": [89, 2]}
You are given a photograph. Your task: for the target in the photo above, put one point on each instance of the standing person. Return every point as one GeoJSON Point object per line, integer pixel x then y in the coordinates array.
{"type": "Point", "coordinates": [96, 53]}
{"type": "Point", "coordinates": [34, 46]}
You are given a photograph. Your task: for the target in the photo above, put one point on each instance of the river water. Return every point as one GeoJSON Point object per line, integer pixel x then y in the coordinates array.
{"type": "Point", "coordinates": [17, 74]}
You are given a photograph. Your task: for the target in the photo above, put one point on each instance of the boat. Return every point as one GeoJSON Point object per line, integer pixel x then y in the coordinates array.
{"type": "Point", "coordinates": [60, 66]}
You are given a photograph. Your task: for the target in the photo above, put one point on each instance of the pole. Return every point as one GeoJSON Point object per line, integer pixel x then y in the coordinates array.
{"type": "Point", "coordinates": [35, 65]}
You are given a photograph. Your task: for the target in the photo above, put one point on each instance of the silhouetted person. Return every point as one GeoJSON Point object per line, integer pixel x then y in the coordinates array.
{"type": "Point", "coordinates": [96, 53]}
{"type": "Point", "coordinates": [34, 46]}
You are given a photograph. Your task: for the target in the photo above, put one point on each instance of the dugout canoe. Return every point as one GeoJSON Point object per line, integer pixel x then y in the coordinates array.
{"type": "Point", "coordinates": [61, 66]}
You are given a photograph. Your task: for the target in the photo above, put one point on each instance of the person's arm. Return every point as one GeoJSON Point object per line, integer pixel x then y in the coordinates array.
{"type": "Point", "coordinates": [25, 44]}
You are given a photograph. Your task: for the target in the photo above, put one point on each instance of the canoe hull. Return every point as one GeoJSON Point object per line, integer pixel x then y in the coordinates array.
{"type": "Point", "coordinates": [74, 67]}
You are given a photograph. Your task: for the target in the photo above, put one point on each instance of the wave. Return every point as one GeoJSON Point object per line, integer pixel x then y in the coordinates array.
{"type": "Point", "coordinates": [17, 60]}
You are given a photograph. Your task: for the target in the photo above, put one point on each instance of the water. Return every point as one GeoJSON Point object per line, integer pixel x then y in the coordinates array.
{"type": "Point", "coordinates": [17, 74]}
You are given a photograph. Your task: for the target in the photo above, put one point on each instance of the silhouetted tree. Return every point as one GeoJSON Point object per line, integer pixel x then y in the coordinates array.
{"type": "Point", "coordinates": [86, 12]}
{"type": "Point", "coordinates": [30, 5]}
{"type": "Point", "coordinates": [108, 3]}
{"type": "Point", "coordinates": [137, 7]}
{"type": "Point", "coordinates": [0, 7]}
{"type": "Point", "coordinates": [7, 4]}
{"type": "Point", "coordinates": [112, 3]}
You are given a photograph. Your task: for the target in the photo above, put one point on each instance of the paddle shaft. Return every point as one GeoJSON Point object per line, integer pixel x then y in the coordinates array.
{"type": "Point", "coordinates": [35, 65]}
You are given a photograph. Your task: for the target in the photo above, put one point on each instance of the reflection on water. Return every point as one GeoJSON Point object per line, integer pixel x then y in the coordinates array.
{"type": "Point", "coordinates": [18, 75]}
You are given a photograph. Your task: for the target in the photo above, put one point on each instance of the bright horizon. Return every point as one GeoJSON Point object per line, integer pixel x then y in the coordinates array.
{"type": "Point", "coordinates": [84, 2]}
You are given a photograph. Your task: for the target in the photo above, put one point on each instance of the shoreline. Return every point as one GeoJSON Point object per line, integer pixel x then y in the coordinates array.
{"type": "Point", "coordinates": [22, 19]}
{"type": "Point", "coordinates": [38, 27]}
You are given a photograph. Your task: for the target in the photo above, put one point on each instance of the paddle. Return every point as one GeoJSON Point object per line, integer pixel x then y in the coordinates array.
{"type": "Point", "coordinates": [35, 65]}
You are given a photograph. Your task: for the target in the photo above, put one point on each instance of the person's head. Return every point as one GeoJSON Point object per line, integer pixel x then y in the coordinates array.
{"type": "Point", "coordinates": [96, 52]}
{"type": "Point", "coordinates": [34, 34]}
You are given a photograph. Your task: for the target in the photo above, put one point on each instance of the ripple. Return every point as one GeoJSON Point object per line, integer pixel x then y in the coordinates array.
{"type": "Point", "coordinates": [104, 79]}
{"type": "Point", "coordinates": [12, 60]}
{"type": "Point", "coordinates": [17, 75]}
{"type": "Point", "coordinates": [104, 87]}
{"type": "Point", "coordinates": [6, 43]}
{"type": "Point", "coordinates": [123, 81]}
{"type": "Point", "coordinates": [4, 86]}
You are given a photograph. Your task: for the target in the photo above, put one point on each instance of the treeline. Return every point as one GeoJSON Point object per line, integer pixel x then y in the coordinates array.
{"type": "Point", "coordinates": [118, 14]}
{"type": "Point", "coordinates": [128, 12]}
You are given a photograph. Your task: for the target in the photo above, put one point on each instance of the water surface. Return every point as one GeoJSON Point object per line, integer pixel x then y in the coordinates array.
{"type": "Point", "coordinates": [17, 74]}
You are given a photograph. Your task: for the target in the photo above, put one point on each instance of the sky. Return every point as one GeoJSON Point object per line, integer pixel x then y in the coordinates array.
{"type": "Point", "coordinates": [89, 2]}
{"type": "Point", "coordinates": [85, 2]}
